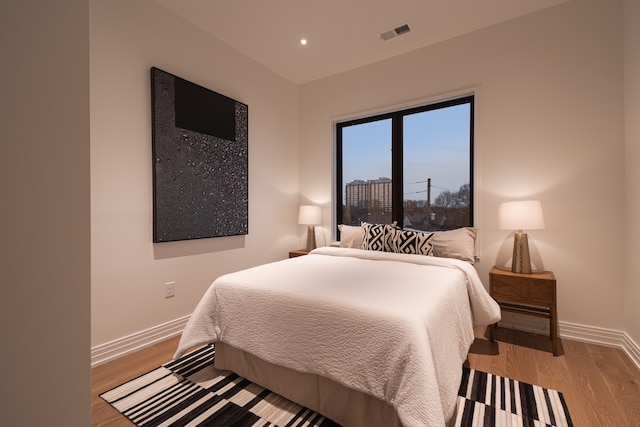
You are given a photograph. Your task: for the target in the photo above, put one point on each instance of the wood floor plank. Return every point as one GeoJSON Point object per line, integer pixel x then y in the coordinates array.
{"type": "Point", "coordinates": [519, 355]}
{"type": "Point", "coordinates": [486, 356]}
{"type": "Point", "coordinates": [551, 369]}
{"type": "Point", "coordinates": [622, 379]}
{"type": "Point", "coordinates": [586, 375]}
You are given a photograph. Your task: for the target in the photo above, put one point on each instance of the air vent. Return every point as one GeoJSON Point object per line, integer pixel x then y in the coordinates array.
{"type": "Point", "coordinates": [402, 29]}
{"type": "Point", "coordinates": [398, 31]}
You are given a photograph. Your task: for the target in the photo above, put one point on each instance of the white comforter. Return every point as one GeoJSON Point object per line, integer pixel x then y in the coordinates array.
{"type": "Point", "coordinates": [395, 326]}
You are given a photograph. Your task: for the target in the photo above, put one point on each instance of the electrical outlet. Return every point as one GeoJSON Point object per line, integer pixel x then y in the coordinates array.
{"type": "Point", "coordinates": [170, 289]}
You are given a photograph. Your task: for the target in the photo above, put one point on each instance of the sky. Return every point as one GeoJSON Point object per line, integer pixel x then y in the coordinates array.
{"type": "Point", "coordinates": [436, 146]}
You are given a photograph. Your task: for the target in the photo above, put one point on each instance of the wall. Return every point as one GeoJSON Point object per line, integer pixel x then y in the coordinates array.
{"type": "Point", "coordinates": [632, 165]}
{"type": "Point", "coordinates": [549, 125]}
{"type": "Point", "coordinates": [128, 270]}
{"type": "Point", "coordinates": [44, 219]}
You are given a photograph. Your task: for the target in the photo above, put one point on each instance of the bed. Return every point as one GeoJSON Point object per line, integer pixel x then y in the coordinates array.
{"type": "Point", "coordinates": [367, 338]}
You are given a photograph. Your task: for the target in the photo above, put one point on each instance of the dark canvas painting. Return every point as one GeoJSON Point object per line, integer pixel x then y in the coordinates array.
{"type": "Point", "coordinates": [200, 161]}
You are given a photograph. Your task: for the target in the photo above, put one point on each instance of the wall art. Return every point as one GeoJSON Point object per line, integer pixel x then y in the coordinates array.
{"type": "Point", "coordinates": [200, 161]}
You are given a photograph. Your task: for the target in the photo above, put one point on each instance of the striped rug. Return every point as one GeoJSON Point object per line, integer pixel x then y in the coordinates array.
{"type": "Point", "coordinates": [190, 392]}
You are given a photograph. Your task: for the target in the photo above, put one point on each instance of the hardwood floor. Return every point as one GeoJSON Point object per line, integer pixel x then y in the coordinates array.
{"type": "Point", "coordinates": [600, 384]}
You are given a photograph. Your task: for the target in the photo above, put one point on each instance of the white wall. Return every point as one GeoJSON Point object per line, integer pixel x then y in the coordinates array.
{"type": "Point", "coordinates": [128, 270]}
{"type": "Point", "coordinates": [632, 165]}
{"type": "Point", "coordinates": [44, 214]}
{"type": "Point", "coordinates": [549, 125]}
{"type": "Point", "coordinates": [549, 116]}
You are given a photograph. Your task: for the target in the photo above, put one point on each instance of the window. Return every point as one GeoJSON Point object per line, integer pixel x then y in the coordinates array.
{"type": "Point", "coordinates": [413, 166]}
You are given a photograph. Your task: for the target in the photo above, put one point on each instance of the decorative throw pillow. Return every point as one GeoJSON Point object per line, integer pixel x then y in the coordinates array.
{"type": "Point", "coordinates": [390, 237]}
{"type": "Point", "coordinates": [378, 237]}
{"type": "Point", "coordinates": [413, 242]}
{"type": "Point", "coordinates": [350, 236]}
{"type": "Point", "coordinates": [424, 244]}
{"type": "Point", "coordinates": [373, 237]}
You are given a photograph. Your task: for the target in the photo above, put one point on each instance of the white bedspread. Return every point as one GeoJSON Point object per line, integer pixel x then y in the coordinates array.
{"type": "Point", "coordinates": [395, 326]}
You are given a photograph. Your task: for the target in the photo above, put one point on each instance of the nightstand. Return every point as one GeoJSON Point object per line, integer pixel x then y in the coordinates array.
{"type": "Point", "coordinates": [533, 294]}
{"type": "Point", "coordinates": [299, 252]}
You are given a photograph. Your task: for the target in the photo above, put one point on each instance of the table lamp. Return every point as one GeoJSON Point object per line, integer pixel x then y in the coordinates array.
{"type": "Point", "coordinates": [521, 215]}
{"type": "Point", "coordinates": [310, 216]}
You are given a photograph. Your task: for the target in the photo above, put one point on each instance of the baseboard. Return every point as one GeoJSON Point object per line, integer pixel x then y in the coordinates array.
{"type": "Point", "coordinates": [574, 331]}
{"type": "Point", "coordinates": [632, 349]}
{"type": "Point", "coordinates": [112, 350]}
{"type": "Point", "coordinates": [602, 336]}
{"type": "Point", "coordinates": [591, 334]}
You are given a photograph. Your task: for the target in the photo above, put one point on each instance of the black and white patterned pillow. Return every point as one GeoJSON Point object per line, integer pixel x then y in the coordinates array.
{"type": "Point", "coordinates": [378, 237]}
{"type": "Point", "coordinates": [424, 244]}
{"type": "Point", "coordinates": [390, 237]}
{"type": "Point", "coordinates": [413, 242]}
{"type": "Point", "coordinates": [373, 237]}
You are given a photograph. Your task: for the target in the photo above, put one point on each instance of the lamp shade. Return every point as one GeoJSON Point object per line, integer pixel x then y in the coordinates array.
{"type": "Point", "coordinates": [310, 215]}
{"type": "Point", "coordinates": [520, 215]}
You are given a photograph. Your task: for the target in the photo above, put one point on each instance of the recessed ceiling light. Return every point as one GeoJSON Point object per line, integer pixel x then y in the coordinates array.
{"type": "Point", "coordinates": [303, 42]}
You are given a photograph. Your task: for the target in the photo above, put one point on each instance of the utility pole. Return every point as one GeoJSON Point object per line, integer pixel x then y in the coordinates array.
{"type": "Point", "coordinates": [428, 200]}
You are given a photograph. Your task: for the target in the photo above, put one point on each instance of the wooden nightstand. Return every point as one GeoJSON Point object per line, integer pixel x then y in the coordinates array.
{"type": "Point", "coordinates": [533, 294]}
{"type": "Point", "coordinates": [299, 252]}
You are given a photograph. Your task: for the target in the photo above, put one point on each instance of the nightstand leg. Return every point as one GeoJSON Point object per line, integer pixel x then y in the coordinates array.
{"type": "Point", "coordinates": [554, 330]}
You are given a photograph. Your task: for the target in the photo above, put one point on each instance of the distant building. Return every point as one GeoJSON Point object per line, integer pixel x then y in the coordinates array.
{"type": "Point", "coordinates": [379, 194]}
{"type": "Point", "coordinates": [370, 199]}
{"type": "Point", "coordinates": [356, 194]}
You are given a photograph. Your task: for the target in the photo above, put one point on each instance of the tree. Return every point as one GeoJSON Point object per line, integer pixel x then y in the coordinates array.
{"type": "Point", "coordinates": [458, 199]}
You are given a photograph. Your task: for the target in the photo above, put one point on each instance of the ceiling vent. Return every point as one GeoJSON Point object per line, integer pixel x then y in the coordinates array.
{"type": "Point", "coordinates": [398, 31]}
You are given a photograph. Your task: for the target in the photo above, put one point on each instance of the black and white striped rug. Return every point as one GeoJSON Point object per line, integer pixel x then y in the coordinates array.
{"type": "Point", "coordinates": [189, 391]}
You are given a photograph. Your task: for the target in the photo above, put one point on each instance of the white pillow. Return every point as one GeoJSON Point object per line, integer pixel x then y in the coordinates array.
{"type": "Point", "coordinates": [459, 243]}
{"type": "Point", "coordinates": [351, 236]}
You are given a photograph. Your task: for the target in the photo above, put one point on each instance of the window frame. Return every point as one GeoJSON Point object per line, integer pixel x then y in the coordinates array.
{"type": "Point", "coordinates": [397, 157]}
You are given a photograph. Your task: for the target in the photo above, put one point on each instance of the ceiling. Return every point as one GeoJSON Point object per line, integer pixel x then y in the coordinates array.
{"type": "Point", "coordinates": [341, 34]}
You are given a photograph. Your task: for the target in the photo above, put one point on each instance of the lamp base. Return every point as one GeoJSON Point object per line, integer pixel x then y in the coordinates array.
{"type": "Point", "coordinates": [311, 238]}
{"type": "Point", "coordinates": [521, 262]}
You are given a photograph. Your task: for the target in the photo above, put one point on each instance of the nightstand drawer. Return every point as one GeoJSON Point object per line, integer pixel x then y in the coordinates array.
{"type": "Point", "coordinates": [509, 288]}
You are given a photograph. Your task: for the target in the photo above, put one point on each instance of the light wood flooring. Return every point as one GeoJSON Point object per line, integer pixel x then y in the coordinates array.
{"type": "Point", "coordinates": [600, 384]}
